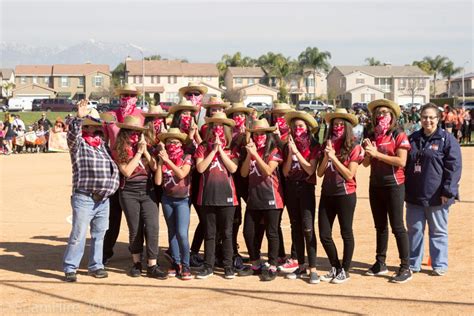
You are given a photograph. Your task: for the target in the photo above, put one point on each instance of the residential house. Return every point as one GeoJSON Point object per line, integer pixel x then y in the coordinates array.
{"type": "Point", "coordinates": [7, 81]}
{"type": "Point", "coordinates": [69, 81]}
{"type": "Point", "coordinates": [441, 87]}
{"type": "Point", "coordinates": [402, 84]}
{"type": "Point", "coordinates": [308, 86]}
{"type": "Point", "coordinates": [238, 77]}
{"type": "Point", "coordinates": [165, 77]}
{"type": "Point", "coordinates": [456, 85]}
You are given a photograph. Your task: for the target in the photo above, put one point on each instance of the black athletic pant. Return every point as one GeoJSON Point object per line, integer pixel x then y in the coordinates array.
{"type": "Point", "coordinates": [200, 231]}
{"type": "Point", "coordinates": [218, 220]}
{"type": "Point", "coordinates": [115, 219]}
{"type": "Point", "coordinates": [343, 207]}
{"type": "Point", "coordinates": [301, 205]}
{"type": "Point", "coordinates": [252, 225]}
{"type": "Point", "coordinates": [388, 201]}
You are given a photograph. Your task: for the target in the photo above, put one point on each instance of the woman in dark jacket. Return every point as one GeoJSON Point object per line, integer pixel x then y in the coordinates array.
{"type": "Point", "coordinates": [433, 172]}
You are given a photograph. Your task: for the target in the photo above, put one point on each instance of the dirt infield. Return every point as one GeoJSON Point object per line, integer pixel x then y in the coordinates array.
{"type": "Point", "coordinates": [34, 199]}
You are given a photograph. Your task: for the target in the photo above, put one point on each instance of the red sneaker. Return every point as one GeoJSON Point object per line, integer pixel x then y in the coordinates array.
{"type": "Point", "coordinates": [289, 266]}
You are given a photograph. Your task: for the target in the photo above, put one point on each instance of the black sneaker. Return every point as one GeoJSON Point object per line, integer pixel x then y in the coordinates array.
{"type": "Point", "coordinates": [156, 272]}
{"type": "Point", "coordinates": [246, 271]}
{"type": "Point", "coordinates": [238, 262]}
{"type": "Point", "coordinates": [70, 277]}
{"type": "Point", "coordinates": [268, 274]}
{"type": "Point", "coordinates": [329, 276]}
{"type": "Point", "coordinates": [341, 277]}
{"type": "Point", "coordinates": [99, 273]}
{"type": "Point", "coordinates": [185, 273]}
{"type": "Point", "coordinates": [195, 260]}
{"type": "Point", "coordinates": [205, 273]}
{"type": "Point", "coordinates": [136, 270]}
{"type": "Point", "coordinates": [403, 275]}
{"type": "Point", "coordinates": [377, 269]}
{"type": "Point", "coordinates": [297, 274]}
{"type": "Point", "coordinates": [229, 273]}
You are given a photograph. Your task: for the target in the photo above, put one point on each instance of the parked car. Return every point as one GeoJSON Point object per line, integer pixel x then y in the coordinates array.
{"type": "Point", "coordinates": [92, 104]}
{"type": "Point", "coordinates": [112, 106]}
{"type": "Point", "coordinates": [143, 106]}
{"type": "Point", "coordinates": [313, 105]}
{"type": "Point", "coordinates": [468, 105]}
{"type": "Point", "coordinates": [259, 106]}
{"type": "Point", "coordinates": [58, 105]}
{"type": "Point", "coordinates": [359, 106]}
{"type": "Point", "coordinates": [18, 104]}
{"type": "Point", "coordinates": [36, 104]}
{"type": "Point", "coordinates": [3, 108]}
{"type": "Point", "coordinates": [408, 106]}
{"type": "Point", "coordinates": [166, 105]}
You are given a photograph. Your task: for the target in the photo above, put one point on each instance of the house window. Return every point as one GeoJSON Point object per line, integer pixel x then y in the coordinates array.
{"type": "Point", "coordinates": [152, 79]}
{"type": "Point", "coordinates": [22, 79]}
{"type": "Point", "coordinates": [158, 79]}
{"type": "Point", "coordinates": [309, 82]}
{"type": "Point", "coordinates": [98, 81]}
{"type": "Point", "coordinates": [251, 81]}
{"type": "Point", "coordinates": [209, 78]}
{"type": "Point", "coordinates": [46, 80]}
{"type": "Point", "coordinates": [172, 97]}
{"type": "Point", "coordinates": [384, 84]}
{"type": "Point", "coordinates": [135, 79]}
{"type": "Point", "coordinates": [64, 82]}
{"type": "Point", "coordinates": [81, 81]}
{"type": "Point", "coordinates": [342, 83]}
{"type": "Point", "coordinates": [172, 79]}
{"type": "Point", "coordinates": [402, 83]}
{"type": "Point", "coordinates": [360, 81]}
{"type": "Point", "coordinates": [35, 79]}
{"type": "Point", "coordinates": [238, 80]}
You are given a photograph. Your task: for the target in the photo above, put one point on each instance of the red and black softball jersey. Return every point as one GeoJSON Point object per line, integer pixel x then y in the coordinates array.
{"type": "Point", "coordinates": [265, 192]}
{"type": "Point", "coordinates": [334, 183]}
{"type": "Point", "coordinates": [173, 186]}
{"type": "Point", "coordinates": [382, 174]}
{"type": "Point", "coordinates": [216, 186]}
{"type": "Point", "coordinates": [297, 172]}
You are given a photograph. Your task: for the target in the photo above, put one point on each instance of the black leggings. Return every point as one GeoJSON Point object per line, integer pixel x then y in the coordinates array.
{"type": "Point", "coordinates": [389, 201]}
{"type": "Point", "coordinates": [252, 221]}
{"type": "Point", "coordinates": [200, 231]}
{"type": "Point", "coordinates": [301, 205]}
{"type": "Point", "coordinates": [141, 212]}
{"type": "Point", "coordinates": [343, 207]}
{"type": "Point", "coordinates": [218, 219]}
{"type": "Point", "coordinates": [115, 219]}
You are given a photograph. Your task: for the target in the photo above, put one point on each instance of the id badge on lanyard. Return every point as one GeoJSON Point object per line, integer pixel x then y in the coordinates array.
{"type": "Point", "coordinates": [417, 167]}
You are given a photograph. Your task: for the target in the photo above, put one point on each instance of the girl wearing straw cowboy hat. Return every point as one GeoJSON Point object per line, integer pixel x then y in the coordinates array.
{"type": "Point", "coordinates": [299, 169]}
{"type": "Point", "coordinates": [173, 174]}
{"type": "Point", "coordinates": [215, 104]}
{"type": "Point", "coordinates": [265, 195]}
{"type": "Point", "coordinates": [242, 118]}
{"type": "Point", "coordinates": [338, 165]}
{"type": "Point", "coordinates": [137, 196]}
{"type": "Point", "coordinates": [277, 113]}
{"type": "Point", "coordinates": [217, 195]}
{"type": "Point", "coordinates": [155, 120]}
{"type": "Point", "coordinates": [184, 118]}
{"type": "Point", "coordinates": [195, 93]}
{"type": "Point", "coordinates": [386, 153]}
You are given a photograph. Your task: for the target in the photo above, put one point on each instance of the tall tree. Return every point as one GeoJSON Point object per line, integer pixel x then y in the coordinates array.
{"type": "Point", "coordinates": [153, 57]}
{"type": "Point", "coordinates": [448, 71]}
{"type": "Point", "coordinates": [315, 59]}
{"type": "Point", "coordinates": [371, 61]}
{"type": "Point", "coordinates": [235, 60]}
{"type": "Point", "coordinates": [118, 74]}
{"type": "Point", "coordinates": [436, 64]}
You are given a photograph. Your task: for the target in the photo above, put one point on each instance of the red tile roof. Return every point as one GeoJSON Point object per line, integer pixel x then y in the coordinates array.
{"type": "Point", "coordinates": [44, 70]}
{"type": "Point", "coordinates": [171, 68]}
{"type": "Point", "coordinates": [60, 70]}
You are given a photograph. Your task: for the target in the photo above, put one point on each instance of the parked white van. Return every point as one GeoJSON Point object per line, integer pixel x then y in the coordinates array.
{"type": "Point", "coordinates": [19, 104]}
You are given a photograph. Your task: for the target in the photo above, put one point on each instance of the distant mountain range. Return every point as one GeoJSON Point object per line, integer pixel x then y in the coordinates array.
{"type": "Point", "coordinates": [12, 54]}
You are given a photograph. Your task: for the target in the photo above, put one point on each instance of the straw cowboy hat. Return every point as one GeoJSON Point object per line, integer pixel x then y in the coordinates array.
{"type": "Point", "coordinates": [220, 117]}
{"type": "Point", "coordinates": [192, 87]}
{"type": "Point", "coordinates": [173, 133]}
{"type": "Point", "coordinates": [127, 89]}
{"type": "Point", "coordinates": [216, 101]}
{"type": "Point", "coordinates": [261, 126]}
{"type": "Point", "coordinates": [281, 108]}
{"type": "Point", "coordinates": [384, 102]}
{"type": "Point", "coordinates": [108, 117]}
{"type": "Point", "coordinates": [92, 119]}
{"type": "Point", "coordinates": [183, 105]}
{"type": "Point", "coordinates": [132, 122]}
{"type": "Point", "coordinates": [238, 107]}
{"type": "Point", "coordinates": [301, 115]}
{"type": "Point", "coordinates": [342, 114]}
{"type": "Point", "coordinates": [155, 111]}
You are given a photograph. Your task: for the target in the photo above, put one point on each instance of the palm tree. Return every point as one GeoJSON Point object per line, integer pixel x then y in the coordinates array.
{"type": "Point", "coordinates": [436, 64]}
{"type": "Point", "coordinates": [372, 61]}
{"type": "Point", "coordinates": [423, 65]}
{"type": "Point", "coordinates": [315, 59]}
{"type": "Point", "coordinates": [448, 71]}
{"type": "Point", "coordinates": [235, 60]}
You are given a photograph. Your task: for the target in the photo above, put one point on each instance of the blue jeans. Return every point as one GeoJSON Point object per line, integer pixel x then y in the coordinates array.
{"type": "Point", "coordinates": [85, 212]}
{"type": "Point", "coordinates": [177, 215]}
{"type": "Point", "coordinates": [437, 218]}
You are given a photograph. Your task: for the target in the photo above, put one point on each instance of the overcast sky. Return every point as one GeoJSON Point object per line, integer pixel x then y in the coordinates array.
{"type": "Point", "coordinates": [202, 31]}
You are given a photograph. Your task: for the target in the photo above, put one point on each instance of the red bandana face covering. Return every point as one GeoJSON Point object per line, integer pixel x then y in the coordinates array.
{"type": "Point", "coordinates": [239, 121]}
{"type": "Point", "coordinates": [260, 140]}
{"type": "Point", "coordinates": [127, 106]}
{"type": "Point", "coordinates": [383, 123]}
{"type": "Point", "coordinates": [157, 126]}
{"type": "Point", "coordinates": [92, 140]}
{"type": "Point", "coordinates": [282, 126]}
{"type": "Point", "coordinates": [218, 132]}
{"type": "Point", "coordinates": [301, 139]}
{"type": "Point", "coordinates": [185, 123]}
{"type": "Point", "coordinates": [175, 152]}
{"type": "Point", "coordinates": [337, 131]}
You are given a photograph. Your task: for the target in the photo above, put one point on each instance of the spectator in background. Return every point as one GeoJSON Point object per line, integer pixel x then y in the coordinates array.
{"type": "Point", "coordinates": [266, 115]}
{"type": "Point", "coordinates": [19, 140]}
{"type": "Point", "coordinates": [2, 136]}
{"type": "Point", "coordinates": [449, 119]}
{"type": "Point", "coordinates": [466, 128]}
{"type": "Point", "coordinates": [459, 123]}
{"type": "Point", "coordinates": [40, 139]}
{"type": "Point", "coordinates": [59, 126]}
{"type": "Point", "coordinates": [45, 122]}
{"type": "Point", "coordinates": [8, 134]}
{"type": "Point", "coordinates": [414, 115]}
{"type": "Point", "coordinates": [17, 122]}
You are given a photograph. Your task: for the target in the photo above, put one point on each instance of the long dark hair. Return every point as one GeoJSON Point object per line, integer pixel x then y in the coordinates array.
{"type": "Point", "coordinates": [122, 144]}
{"type": "Point", "coordinates": [394, 126]}
{"type": "Point", "coordinates": [270, 145]}
{"type": "Point", "coordinates": [348, 142]}
{"type": "Point", "coordinates": [176, 122]}
{"type": "Point", "coordinates": [150, 134]}
{"type": "Point", "coordinates": [227, 134]}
